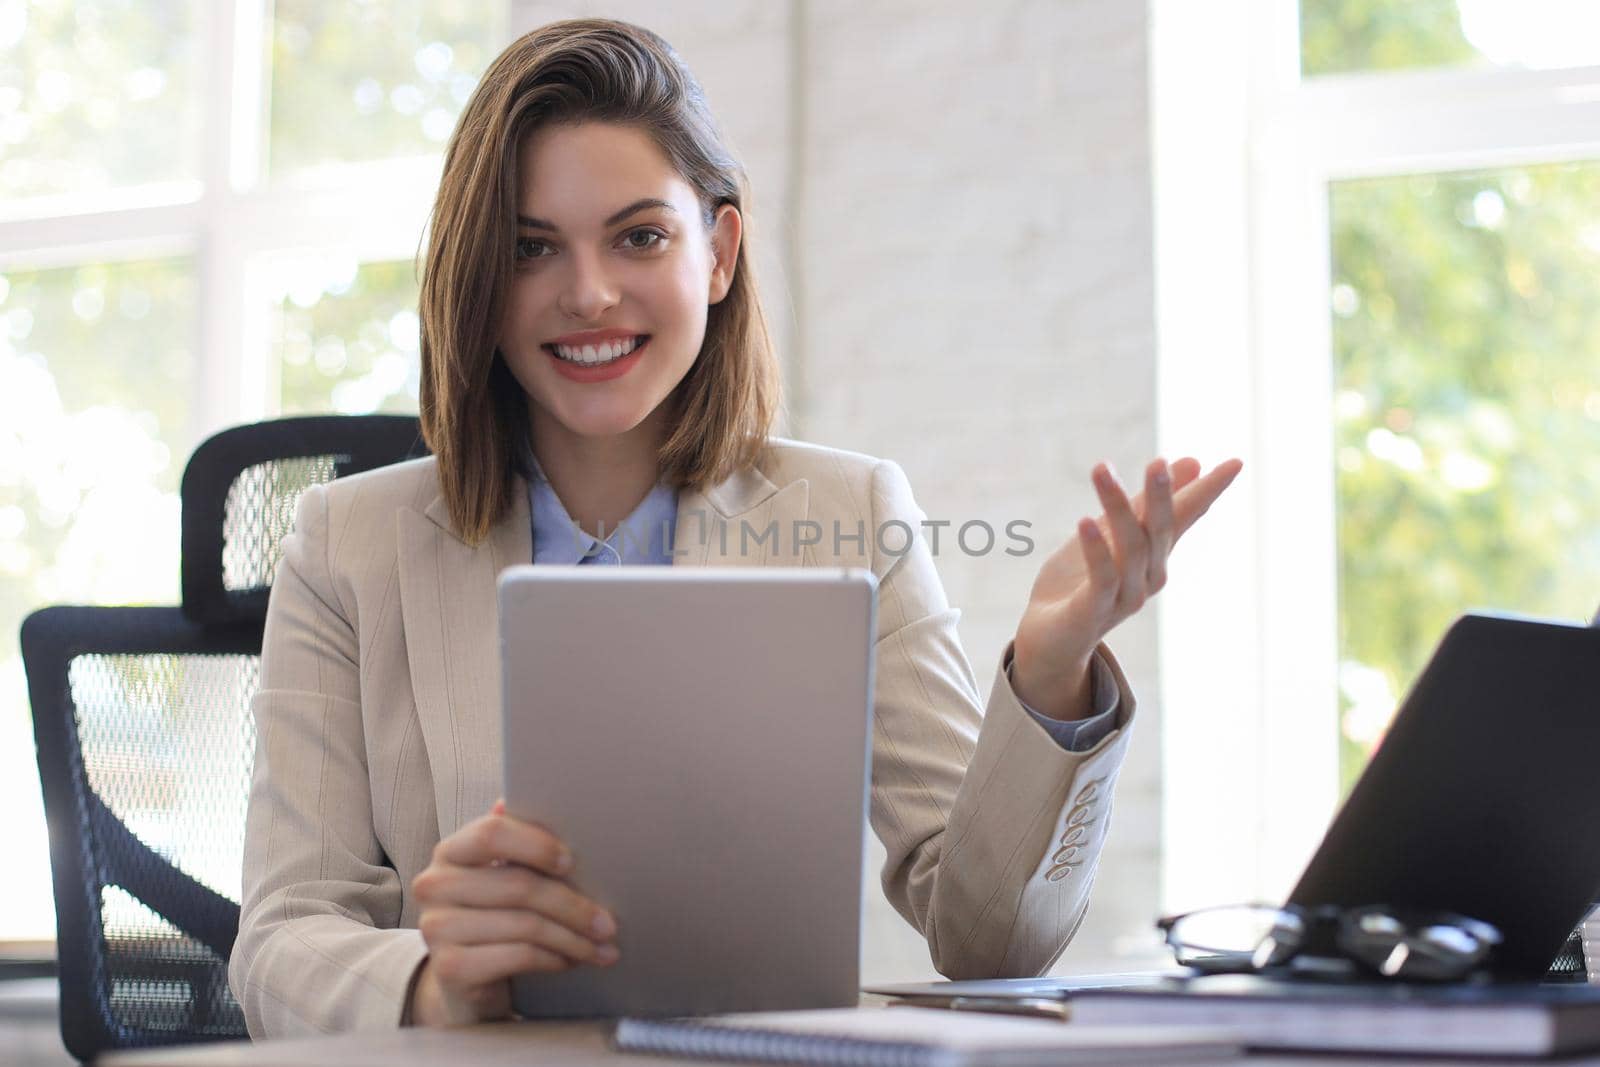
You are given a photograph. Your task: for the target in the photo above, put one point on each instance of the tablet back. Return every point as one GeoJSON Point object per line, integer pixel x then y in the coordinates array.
{"type": "Point", "coordinates": [700, 738]}
{"type": "Point", "coordinates": [1483, 797]}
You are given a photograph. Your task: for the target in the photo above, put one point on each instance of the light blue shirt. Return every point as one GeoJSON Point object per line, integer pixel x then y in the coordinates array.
{"type": "Point", "coordinates": [645, 538]}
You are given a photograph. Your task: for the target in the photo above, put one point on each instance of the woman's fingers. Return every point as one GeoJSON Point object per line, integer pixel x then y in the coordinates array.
{"type": "Point", "coordinates": [1104, 583]}
{"type": "Point", "coordinates": [1130, 544]}
{"type": "Point", "coordinates": [1140, 533]}
{"type": "Point", "coordinates": [1181, 472]}
{"type": "Point", "coordinates": [1184, 471]}
{"type": "Point", "coordinates": [1158, 522]}
{"type": "Point", "coordinates": [491, 926]}
{"type": "Point", "coordinates": [498, 836]}
{"type": "Point", "coordinates": [448, 885]}
{"type": "Point", "coordinates": [495, 904]}
{"type": "Point", "coordinates": [1195, 498]}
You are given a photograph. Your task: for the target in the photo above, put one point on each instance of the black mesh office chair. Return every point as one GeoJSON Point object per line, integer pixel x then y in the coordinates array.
{"type": "Point", "coordinates": [145, 742]}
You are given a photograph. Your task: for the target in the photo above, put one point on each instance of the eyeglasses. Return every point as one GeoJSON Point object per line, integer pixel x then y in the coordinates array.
{"type": "Point", "coordinates": [1403, 944]}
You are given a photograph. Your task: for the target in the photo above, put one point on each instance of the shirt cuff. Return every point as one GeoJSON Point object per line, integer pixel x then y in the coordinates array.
{"type": "Point", "coordinates": [1080, 735]}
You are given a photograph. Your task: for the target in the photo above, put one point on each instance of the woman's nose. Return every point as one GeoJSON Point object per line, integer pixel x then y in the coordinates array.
{"type": "Point", "coordinates": [588, 289]}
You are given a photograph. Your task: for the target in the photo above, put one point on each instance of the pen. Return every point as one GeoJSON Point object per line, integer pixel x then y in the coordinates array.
{"type": "Point", "coordinates": [1034, 1006]}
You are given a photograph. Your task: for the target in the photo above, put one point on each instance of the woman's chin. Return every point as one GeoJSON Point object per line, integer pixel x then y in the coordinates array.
{"type": "Point", "coordinates": [607, 423]}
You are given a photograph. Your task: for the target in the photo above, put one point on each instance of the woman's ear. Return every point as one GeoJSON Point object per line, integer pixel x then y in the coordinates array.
{"type": "Point", "coordinates": [726, 232]}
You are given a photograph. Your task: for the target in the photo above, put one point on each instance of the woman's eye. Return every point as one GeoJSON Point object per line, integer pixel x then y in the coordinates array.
{"type": "Point", "coordinates": [639, 240]}
{"type": "Point", "coordinates": [530, 248]}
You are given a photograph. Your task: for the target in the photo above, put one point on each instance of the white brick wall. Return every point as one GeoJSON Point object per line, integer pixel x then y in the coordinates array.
{"type": "Point", "coordinates": [952, 210]}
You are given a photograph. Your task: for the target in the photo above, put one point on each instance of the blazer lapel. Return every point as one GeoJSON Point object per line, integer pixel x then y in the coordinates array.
{"type": "Point", "coordinates": [449, 607]}
{"type": "Point", "coordinates": [745, 521]}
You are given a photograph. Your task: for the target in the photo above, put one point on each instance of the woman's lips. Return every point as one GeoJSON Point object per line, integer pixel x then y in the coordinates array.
{"type": "Point", "coordinates": [579, 372]}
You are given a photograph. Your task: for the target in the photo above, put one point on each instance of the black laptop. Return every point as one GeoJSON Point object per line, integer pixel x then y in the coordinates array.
{"type": "Point", "coordinates": [1484, 796]}
{"type": "Point", "coordinates": [1483, 799]}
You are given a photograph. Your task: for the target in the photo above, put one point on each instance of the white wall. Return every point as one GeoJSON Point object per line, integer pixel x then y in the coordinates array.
{"type": "Point", "coordinates": [954, 234]}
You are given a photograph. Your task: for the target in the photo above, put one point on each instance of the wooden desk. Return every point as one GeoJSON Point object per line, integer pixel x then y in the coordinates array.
{"type": "Point", "coordinates": [490, 1045]}
{"type": "Point", "coordinates": [574, 1045]}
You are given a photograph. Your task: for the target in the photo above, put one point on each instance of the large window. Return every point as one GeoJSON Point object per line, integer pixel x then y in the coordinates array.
{"type": "Point", "coordinates": [343, 334]}
{"type": "Point", "coordinates": [1466, 411]}
{"type": "Point", "coordinates": [1464, 353]}
{"type": "Point", "coordinates": [1345, 36]}
{"type": "Point", "coordinates": [209, 214]}
{"type": "Point", "coordinates": [1378, 245]}
{"type": "Point", "coordinates": [96, 362]}
{"type": "Point", "coordinates": [98, 100]}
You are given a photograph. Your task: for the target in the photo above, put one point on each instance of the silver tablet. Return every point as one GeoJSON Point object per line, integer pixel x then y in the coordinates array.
{"type": "Point", "coordinates": [701, 738]}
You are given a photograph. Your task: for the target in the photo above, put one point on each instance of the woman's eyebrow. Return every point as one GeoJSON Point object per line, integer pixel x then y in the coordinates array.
{"type": "Point", "coordinates": [634, 208]}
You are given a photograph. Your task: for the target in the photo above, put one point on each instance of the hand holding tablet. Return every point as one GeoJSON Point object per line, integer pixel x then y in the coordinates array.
{"type": "Point", "coordinates": [495, 903]}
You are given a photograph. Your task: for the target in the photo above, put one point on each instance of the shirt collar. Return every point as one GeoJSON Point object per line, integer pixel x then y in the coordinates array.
{"type": "Point", "coordinates": [644, 537]}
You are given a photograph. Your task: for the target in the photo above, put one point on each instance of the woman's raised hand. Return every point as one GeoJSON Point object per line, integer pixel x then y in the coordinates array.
{"type": "Point", "coordinates": [496, 903]}
{"type": "Point", "coordinates": [1104, 574]}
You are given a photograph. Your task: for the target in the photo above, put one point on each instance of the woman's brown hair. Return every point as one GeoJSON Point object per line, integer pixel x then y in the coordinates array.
{"type": "Point", "coordinates": [474, 412]}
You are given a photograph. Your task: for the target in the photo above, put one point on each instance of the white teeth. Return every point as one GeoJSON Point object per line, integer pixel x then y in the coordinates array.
{"type": "Point", "coordinates": [603, 353]}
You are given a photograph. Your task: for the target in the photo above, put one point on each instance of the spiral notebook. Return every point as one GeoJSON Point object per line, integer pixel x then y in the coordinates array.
{"type": "Point", "coordinates": [917, 1037]}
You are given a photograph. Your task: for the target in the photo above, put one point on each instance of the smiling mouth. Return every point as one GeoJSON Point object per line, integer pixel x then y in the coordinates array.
{"type": "Point", "coordinates": [597, 355]}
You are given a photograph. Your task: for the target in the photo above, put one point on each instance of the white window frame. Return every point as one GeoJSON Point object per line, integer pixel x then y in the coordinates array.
{"type": "Point", "coordinates": [232, 222]}
{"type": "Point", "coordinates": [1244, 154]}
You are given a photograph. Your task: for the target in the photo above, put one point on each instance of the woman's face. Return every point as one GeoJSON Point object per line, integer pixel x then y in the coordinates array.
{"type": "Point", "coordinates": [615, 271]}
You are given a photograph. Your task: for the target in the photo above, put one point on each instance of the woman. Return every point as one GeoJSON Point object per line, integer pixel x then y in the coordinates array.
{"type": "Point", "coordinates": [595, 356]}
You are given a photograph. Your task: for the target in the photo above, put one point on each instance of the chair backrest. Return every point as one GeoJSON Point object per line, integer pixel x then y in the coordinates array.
{"type": "Point", "coordinates": [239, 493]}
{"type": "Point", "coordinates": [145, 742]}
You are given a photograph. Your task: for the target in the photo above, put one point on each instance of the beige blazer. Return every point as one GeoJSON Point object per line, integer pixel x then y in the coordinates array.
{"type": "Point", "coordinates": [378, 734]}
